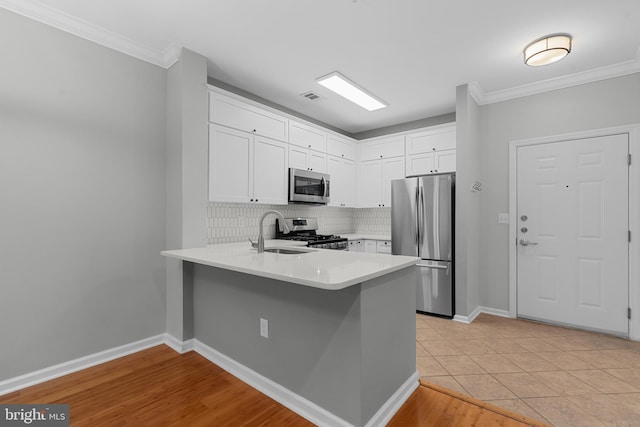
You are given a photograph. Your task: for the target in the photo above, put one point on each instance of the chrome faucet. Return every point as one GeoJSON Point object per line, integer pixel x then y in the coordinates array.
{"type": "Point", "coordinates": [283, 227]}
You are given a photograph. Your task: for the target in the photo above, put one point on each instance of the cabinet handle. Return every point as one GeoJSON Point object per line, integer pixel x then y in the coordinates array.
{"type": "Point", "coordinates": [380, 155]}
{"type": "Point", "coordinates": [254, 131]}
{"type": "Point", "coordinates": [309, 145]}
{"type": "Point", "coordinates": [252, 200]}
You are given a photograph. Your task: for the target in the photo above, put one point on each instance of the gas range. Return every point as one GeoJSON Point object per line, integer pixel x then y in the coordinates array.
{"type": "Point", "coordinates": [304, 229]}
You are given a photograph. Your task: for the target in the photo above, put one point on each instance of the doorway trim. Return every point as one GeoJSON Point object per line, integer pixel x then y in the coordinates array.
{"type": "Point", "coordinates": [633, 131]}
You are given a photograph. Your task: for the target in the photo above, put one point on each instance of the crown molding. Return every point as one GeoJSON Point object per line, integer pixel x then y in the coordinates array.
{"type": "Point", "coordinates": [602, 73]}
{"type": "Point", "coordinates": [83, 29]}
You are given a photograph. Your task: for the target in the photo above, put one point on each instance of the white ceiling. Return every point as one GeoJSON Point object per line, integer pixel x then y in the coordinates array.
{"type": "Point", "coordinates": [410, 53]}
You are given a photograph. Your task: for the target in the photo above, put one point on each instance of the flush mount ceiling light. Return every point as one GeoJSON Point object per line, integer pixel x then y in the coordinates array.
{"type": "Point", "coordinates": [346, 88]}
{"type": "Point", "coordinates": [547, 49]}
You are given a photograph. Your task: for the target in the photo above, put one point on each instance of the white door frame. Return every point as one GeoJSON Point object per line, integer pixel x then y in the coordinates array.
{"type": "Point", "coordinates": [634, 213]}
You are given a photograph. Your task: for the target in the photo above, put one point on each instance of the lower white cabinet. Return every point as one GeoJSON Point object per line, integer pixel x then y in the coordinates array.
{"type": "Point", "coordinates": [342, 173]}
{"type": "Point", "coordinates": [370, 246]}
{"type": "Point", "coordinates": [383, 247]}
{"type": "Point", "coordinates": [374, 181]}
{"type": "Point", "coordinates": [246, 168]}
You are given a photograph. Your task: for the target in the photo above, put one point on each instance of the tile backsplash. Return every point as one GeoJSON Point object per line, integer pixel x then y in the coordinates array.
{"type": "Point", "coordinates": [236, 222]}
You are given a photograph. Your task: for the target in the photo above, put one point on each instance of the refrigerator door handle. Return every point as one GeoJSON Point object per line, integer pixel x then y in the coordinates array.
{"type": "Point", "coordinates": [421, 220]}
{"type": "Point", "coordinates": [436, 267]}
{"type": "Point", "coordinates": [416, 236]}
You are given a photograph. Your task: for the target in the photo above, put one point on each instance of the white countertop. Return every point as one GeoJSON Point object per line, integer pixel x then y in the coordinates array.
{"type": "Point", "coordinates": [360, 236]}
{"type": "Point", "coordinates": [321, 268]}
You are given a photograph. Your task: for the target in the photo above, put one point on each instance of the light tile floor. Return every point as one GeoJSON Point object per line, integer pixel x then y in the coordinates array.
{"type": "Point", "coordinates": [562, 376]}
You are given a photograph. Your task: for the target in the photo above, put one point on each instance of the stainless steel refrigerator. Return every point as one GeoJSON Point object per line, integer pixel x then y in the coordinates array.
{"type": "Point", "coordinates": [422, 225]}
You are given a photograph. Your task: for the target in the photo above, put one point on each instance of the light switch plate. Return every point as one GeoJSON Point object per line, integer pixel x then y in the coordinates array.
{"type": "Point", "coordinates": [503, 218]}
{"type": "Point", "coordinates": [264, 328]}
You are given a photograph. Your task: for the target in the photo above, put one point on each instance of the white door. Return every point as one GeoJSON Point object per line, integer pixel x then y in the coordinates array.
{"type": "Point", "coordinates": [572, 231]}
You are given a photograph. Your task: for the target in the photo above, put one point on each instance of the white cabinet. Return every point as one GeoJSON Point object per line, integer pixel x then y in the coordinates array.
{"type": "Point", "coordinates": [374, 181]}
{"type": "Point", "coordinates": [383, 247]}
{"type": "Point", "coordinates": [370, 246]}
{"type": "Point", "coordinates": [244, 167]}
{"type": "Point", "coordinates": [307, 137]}
{"type": "Point", "coordinates": [431, 151]}
{"type": "Point", "coordinates": [307, 159]}
{"type": "Point", "coordinates": [356, 245]}
{"type": "Point", "coordinates": [342, 173]}
{"type": "Point", "coordinates": [380, 161]}
{"type": "Point", "coordinates": [236, 114]}
{"type": "Point", "coordinates": [381, 148]}
{"type": "Point", "coordinates": [341, 147]}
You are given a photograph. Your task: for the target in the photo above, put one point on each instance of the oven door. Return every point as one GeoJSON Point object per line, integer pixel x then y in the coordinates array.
{"type": "Point", "coordinates": [308, 187]}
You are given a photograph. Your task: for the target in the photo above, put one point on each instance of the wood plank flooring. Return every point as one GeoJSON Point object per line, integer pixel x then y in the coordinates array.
{"type": "Point", "coordinates": [159, 387]}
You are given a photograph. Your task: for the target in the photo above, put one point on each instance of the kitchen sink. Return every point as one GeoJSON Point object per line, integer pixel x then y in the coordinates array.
{"type": "Point", "coordinates": [288, 251]}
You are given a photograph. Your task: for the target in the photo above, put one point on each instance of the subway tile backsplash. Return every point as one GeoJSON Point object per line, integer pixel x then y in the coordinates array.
{"type": "Point", "coordinates": [236, 222]}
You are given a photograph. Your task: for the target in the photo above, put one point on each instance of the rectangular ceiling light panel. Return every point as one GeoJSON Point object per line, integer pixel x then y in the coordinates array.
{"type": "Point", "coordinates": [343, 87]}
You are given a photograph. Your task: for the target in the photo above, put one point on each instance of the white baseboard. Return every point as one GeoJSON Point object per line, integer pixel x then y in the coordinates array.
{"type": "Point", "coordinates": [477, 311]}
{"type": "Point", "coordinates": [395, 402]}
{"type": "Point", "coordinates": [298, 404]}
{"type": "Point", "coordinates": [55, 371]}
{"type": "Point", "coordinates": [177, 345]}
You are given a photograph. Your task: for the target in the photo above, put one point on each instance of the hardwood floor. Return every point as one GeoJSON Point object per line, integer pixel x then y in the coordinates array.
{"type": "Point", "coordinates": [159, 387]}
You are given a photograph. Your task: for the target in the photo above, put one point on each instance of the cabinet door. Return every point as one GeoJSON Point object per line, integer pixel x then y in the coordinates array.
{"type": "Point", "coordinates": [239, 115]}
{"type": "Point", "coordinates": [435, 139]}
{"type": "Point", "coordinates": [336, 175]}
{"type": "Point", "coordinates": [307, 136]}
{"type": "Point", "coordinates": [445, 161]}
{"type": "Point", "coordinates": [381, 148]}
{"type": "Point", "coordinates": [341, 147]}
{"type": "Point", "coordinates": [349, 179]}
{"type": "Point", "coordinates": [359, 245]}
{"type": "Point", "coordinates": [297, 157]}
{"type": "Point", "coordinates": [342, 173]}
{"type": "Point", "coordinates": [370, 184]}
{"type": "Point", "coordinates": [230, 165]}
{"type": "Point", "coordinates": [370, 246]}
{"type": "Point", "coordinates": [383, 247]}
{"type": "Point", "coordinates": [391, 169]}
{"type": "Point", "coordinates": [270, 177]}
{"type": "Point", "coordinates": [317, 161]}
{"type": "Point", "coordinates": [420, 164]}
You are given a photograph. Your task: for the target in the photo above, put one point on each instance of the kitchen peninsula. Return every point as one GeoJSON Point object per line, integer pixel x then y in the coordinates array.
{"type": "Point", "coordinates": [330, 334]}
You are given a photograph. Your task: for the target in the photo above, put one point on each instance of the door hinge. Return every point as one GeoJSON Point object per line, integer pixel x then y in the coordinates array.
{"type": "Point", "coordinates": [629, 159]}
{"type": "Point", "coordinates": [629, 313]}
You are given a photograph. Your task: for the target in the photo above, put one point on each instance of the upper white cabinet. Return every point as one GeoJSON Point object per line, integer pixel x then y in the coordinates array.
{"type": "Point", "coordinates": [245, 168]}
{"type": "Point", "coordinates": [307, 159]}
{"type": "Point", "coordinates": [381, 148]}
{"type": "Point", "coordinates": [243, 116]}
{"type": "Point", "coordinates": [431, 151]}
{"type": "Point", "coordinates": [341, 147]}
{"type": "Point", "coordinates": [380, 161]}
{"type": "Point", "coordinates": [342, 174]}
{"type": "Point", "coordinates": [307, 137]}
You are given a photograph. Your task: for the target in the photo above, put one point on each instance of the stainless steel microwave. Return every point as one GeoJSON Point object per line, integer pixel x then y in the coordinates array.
{"type": "Point", "coordinates": [308, 187]}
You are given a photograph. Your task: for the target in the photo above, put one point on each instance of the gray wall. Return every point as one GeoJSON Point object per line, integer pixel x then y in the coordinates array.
{"type": "Point", "coordinates": [601, 104]}
{"type": "Point", "coordinates": [186, 178]}
{"type": "Point", "coordinates": [347, 351]}
{"type": "Point", "coordinates": [468, 171]}
{"type": "Point", "coordinates": [82, 163]}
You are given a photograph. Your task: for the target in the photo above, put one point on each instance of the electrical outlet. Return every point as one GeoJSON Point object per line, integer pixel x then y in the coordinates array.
{"type": "Point", "coordinates": [503, 218]}
{"type": "Point", "coordinates": [264, 328]}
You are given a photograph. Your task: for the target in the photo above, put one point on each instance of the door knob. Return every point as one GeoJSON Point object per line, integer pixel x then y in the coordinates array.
{"type": "Point", "coordinates": [525, 242]}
